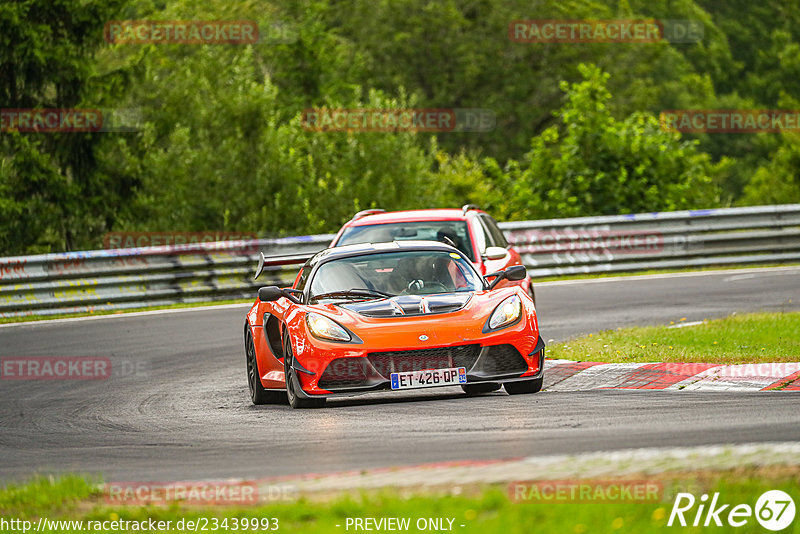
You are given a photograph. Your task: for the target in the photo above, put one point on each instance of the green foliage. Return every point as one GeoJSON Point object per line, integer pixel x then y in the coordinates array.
{"type": "Point", "coordinates": [30, 189]}
{"type": "Point", "coordinates": [601, 165]}
{"type": "Point", "coordinates": [43, 495]}
{"type": "Point", "coordinates": [220, 145]}
{"type": "Point", "coordinates": [458, 54]}
{"type": "Point", "coordinates": [52, 196]}
{"type": "Point", "coordinates": [764, 39]}
{"type": "Point", "coordinates": [228, 155]}
{"type": "Point", "coordinates": [778, 181]}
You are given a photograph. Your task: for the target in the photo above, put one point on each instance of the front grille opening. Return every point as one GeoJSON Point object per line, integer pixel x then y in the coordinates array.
{"type": "Point", "coordinates": [504, 359]}
{"type": "Point", "coordinates": [387, 363]}
{"type": "Point", "coordinates": [345, 373]}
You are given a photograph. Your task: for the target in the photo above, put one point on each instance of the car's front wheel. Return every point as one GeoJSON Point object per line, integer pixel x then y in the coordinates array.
{"type": "Point", "coordinates": [292, 382]}
{"type": "Point", "coordinates": [524, 386]}
{"type": "Point", "coordinates": [258, 393]}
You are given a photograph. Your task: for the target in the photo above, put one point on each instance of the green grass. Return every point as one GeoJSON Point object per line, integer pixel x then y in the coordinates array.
{"type": "Point", "coordinates": [30, 318]}
{"type": "Point", "coordinates": [749, 338]}
{"type": "Point", "coordinates": [46, 495]}
{"type": "Point", "coordinates": [482, 509]}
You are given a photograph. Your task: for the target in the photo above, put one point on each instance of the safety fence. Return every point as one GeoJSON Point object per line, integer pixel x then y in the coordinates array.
{"type": "Point", "coordinates": [73, 282]}
{"type": "Point", "coordinates": [667, 240]}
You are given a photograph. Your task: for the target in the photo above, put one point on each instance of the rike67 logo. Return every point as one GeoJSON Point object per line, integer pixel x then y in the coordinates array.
{"type": "Point", "coordinates": [774, 510]}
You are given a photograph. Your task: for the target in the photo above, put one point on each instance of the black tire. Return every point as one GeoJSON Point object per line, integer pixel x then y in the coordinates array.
{"type": "Point", "coordinates": [482, 387]}
{"type": "Point", "coordinates": [524, 386]}
{"type": "Point", "coordinates": [292, 383]}
{"type": "Point", "coordinates": [258, 393]}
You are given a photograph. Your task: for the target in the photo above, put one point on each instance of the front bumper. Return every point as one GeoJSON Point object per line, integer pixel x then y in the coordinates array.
{"type": "Point", "coordinates": [347, 372]}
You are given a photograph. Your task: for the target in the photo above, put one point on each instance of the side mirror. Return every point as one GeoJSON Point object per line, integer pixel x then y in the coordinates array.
{"type": "Point", "coordinates": [516, 273]}
{"type": "Point", "coordinates": [495, 253]}
{"type": "Point", "coordinates": [269, 293]}
{"type": "Point", "coordinates": [513, 273]}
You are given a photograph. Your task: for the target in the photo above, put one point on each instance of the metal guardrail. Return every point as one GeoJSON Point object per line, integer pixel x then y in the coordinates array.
{"type": "Point", "coordinates": [117, 279]}
{"type": "Point", "coordinates": [55, 284]}
{"type": "Point", "coordinates": [666, 240]}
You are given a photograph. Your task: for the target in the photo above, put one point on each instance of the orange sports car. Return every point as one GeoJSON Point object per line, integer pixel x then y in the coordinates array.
{"type": "Point", "coordinates": [391, 316]}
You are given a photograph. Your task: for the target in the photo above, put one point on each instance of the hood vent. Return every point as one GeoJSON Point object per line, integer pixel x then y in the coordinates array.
{"type": "Point", "coordinates": [405, 305]}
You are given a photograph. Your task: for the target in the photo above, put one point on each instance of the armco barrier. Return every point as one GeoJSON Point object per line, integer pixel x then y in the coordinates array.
{"type": "Point", "coordinates": [96, 280]}
{"type": "Point", "coordinates": [667, 240]}
{"type": "Point", "coordinates": [53, 284]}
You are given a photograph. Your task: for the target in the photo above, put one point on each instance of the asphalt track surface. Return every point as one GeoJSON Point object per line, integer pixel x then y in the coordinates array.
{"type": "Point", "coordinates": [177, 408]}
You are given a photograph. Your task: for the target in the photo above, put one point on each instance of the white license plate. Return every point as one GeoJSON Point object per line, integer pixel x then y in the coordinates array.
{"type": "Point", "coordinates": [430, 378]}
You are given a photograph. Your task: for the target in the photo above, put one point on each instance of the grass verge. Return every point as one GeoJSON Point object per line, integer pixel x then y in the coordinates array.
{"type": "Point", "coordinates": [747, 338]}
{"type": "Point", "coordinates": [480, 509]}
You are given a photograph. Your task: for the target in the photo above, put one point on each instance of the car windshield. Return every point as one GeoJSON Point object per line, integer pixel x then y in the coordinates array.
{"type": "Point", "coordinates": [453, 233]}
{"type": "Point", "coordinates": [418, 272]}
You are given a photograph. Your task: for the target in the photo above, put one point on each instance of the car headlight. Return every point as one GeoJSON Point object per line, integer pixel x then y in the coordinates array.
{"type": "Point", "coordinates": [506, 313]}
{"type": "Point", "coordinates": [325, 328]}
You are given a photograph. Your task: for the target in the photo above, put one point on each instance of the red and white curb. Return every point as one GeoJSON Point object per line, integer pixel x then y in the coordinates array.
{"type": "Point", "coordinates": [567, 375]}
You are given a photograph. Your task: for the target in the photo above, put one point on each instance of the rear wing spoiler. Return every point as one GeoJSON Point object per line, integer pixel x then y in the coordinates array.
{"type": "Point", "coordinates": [276, 261]}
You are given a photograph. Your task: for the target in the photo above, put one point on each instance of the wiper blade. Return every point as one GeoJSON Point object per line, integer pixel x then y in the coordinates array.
{"type": "Point", "coordinates": [355, 292]}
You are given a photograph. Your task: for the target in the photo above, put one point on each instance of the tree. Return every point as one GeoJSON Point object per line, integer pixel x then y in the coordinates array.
{"type": "Point", "coordinates": [597, 165]}
{"type": "Point", "coordinates": [777, 182]}
{"type": "Point", "coordinates": [53, 196]}
{"type": "Point", "coordinates": [221, 151]}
